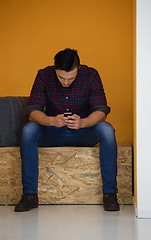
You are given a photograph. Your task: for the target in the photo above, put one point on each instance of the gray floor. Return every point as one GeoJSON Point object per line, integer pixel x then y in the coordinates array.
{"type": "Point", "coordinates": [73, 222]}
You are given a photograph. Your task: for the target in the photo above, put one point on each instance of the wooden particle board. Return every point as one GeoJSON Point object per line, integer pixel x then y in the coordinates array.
{"type": "Point", "coordinates": [67, 175]}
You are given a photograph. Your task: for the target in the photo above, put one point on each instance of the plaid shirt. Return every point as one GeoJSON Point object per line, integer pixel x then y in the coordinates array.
{"type": "Point", "coordinates": [84, 96]}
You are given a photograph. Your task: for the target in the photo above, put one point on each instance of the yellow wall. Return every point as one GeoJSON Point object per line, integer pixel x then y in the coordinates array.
{"type": "Point", "coordinates": [32, 31]}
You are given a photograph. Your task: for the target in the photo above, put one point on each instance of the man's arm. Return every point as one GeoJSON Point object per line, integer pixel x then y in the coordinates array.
{"type": "Point", "coordinates": [43, 119]}
{"type": "Point", "coordinates": [93, 119]}
{"type": "Point", "coordinates": [89, 121]}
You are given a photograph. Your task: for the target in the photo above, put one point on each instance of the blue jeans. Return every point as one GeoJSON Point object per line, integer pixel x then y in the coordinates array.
{"type": "Point", "coordinates": [34, 135]}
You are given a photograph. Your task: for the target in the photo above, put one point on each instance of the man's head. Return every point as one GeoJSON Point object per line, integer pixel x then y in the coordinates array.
{"type": "Point", "coordinates": [67, 60]}
{"type": "Point", "coordinates": [66, 63]}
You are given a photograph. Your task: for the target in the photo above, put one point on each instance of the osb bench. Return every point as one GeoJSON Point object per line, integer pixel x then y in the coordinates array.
{"type": "Point", "coordinates": [67, 175]}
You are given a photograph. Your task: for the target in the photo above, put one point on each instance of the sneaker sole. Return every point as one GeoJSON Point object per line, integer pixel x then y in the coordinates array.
{"type": "Point", "coordinates": [112, 209]}
{"type": "Point", "coordinates": [25, 210]}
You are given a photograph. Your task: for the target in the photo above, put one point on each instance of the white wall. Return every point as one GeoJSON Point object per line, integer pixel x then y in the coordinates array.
{"type": "Point", "coordinates": [143, 107]}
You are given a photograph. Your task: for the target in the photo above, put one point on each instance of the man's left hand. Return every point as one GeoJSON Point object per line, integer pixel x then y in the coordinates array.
{"type": "Point", "coordinates": [73, 122]}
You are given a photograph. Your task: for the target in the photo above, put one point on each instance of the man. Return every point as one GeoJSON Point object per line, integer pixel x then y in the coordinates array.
{"type": "Point", "coordinates": [71, 88]}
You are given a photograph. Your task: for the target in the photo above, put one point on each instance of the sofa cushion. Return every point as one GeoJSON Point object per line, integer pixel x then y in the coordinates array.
{"type": "Point", "coordinates": [12, 118]}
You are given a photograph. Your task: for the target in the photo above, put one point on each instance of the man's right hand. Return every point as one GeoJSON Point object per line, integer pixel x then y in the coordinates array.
{"type": "Point", "coordinates": [43, 119]}
{"type": "Point", "coordinates": [58, 121]}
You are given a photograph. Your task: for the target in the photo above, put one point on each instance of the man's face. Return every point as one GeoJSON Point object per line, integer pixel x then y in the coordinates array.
{"type": "Point", "coordinates": [66, 78]}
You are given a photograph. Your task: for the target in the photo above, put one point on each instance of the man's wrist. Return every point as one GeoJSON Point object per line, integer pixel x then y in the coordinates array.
{"type": "Point", "coordinates": [51, 121]}
{"type": "Point", "coordinates": [83, 123]}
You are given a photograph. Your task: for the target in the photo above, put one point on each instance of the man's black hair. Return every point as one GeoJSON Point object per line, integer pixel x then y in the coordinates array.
{"type": "Point", "coordinates": [66, 60]}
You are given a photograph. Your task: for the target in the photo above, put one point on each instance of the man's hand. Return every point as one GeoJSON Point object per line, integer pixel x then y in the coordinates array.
{"type": "Point", "coordinates": [43, 119]}
{"type": "Point", "coordinates": [58, 121]}
{"type": "Point", "coordinates": [73, 122]}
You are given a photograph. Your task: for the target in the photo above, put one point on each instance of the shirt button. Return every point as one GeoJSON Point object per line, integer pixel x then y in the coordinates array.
{"type": "Point", "coordinates": [67, 97]}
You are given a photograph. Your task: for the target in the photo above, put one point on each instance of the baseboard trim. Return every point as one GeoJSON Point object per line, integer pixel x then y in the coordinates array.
{"type": "Point", "coordinates": [141, 213]}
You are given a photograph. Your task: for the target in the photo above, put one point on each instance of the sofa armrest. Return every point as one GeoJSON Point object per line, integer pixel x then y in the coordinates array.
{"type": "Point", "coordinates": [12, 118]}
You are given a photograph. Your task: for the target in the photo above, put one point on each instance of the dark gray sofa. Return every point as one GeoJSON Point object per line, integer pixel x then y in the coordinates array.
{"type": "Point", "coordinates": [13, 116]}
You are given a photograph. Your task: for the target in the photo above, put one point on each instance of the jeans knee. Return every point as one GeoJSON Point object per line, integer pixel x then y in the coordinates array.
{"type": "Point", "coordinates": [30, 131]}
{"type": "Point", "coordinates": [105, 130]}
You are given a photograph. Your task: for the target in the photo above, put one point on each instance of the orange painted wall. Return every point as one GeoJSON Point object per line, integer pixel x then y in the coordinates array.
{"type": "Point", "coordinates": [32, 31]}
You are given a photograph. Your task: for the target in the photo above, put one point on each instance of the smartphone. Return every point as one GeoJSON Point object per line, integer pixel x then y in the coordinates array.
{"type": "Point", "coordinates": [66, 114]}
